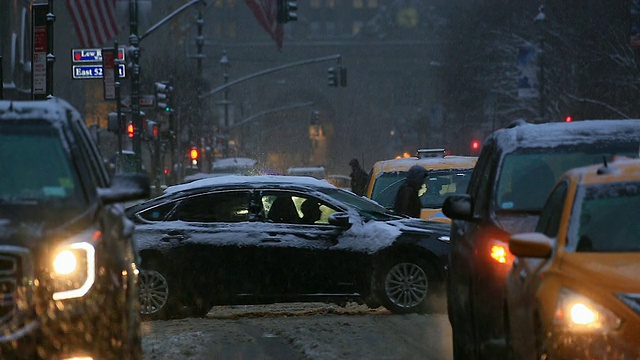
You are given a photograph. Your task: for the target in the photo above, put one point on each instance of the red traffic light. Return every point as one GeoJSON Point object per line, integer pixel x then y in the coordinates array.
{"type": "Point", "coordinates": [475, 145]}
{"type": "Point", "coordinates": [130, 130]}
{"type": "Point", "coordinates": [568, 118]}
{"type": "Point", "coordinates": [194, 154]}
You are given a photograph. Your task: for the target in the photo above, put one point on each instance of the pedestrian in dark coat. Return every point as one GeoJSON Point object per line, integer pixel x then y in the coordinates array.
{"type": "Point", "coordinates": [359, 178]}
{"type": "Point", "coordinates": [407, 199]}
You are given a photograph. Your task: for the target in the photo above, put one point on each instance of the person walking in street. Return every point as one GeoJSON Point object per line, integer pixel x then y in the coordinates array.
{"type": "Point", "coordinates": [407, 199]}
{"type": "Point", "coordinates": [359, 178]}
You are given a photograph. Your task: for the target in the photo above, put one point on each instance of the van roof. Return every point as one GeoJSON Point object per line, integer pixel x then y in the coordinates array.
{"type": "Point", "coordinates": [526, 135]}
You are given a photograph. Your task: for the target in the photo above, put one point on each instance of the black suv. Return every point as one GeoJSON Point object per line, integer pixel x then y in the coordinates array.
{"type": "Point", "coordinates": [68, 276]}
{"type": "Point", "coordinates": [516, 169]}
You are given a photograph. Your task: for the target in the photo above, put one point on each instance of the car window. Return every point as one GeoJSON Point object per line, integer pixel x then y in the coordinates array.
{"type": "Point", "coordinates": [437, 186]}
{"type": "Point", "coordinates": [549, 222]}
{"type": "Point", "coordinates": [481, 178]}
{"type": "Point", "coordinates": [294, 208]}
{"type": "Point", "coordinates": [29, 175]}
{"type": "Point", "coordinates": [157, 213]}
{"type": "Point", "coordinates": [606, 219]}
{"type": "Point", "coordinates": [526, 176]}
{"type": "Point", "coordinates": [230, 206]}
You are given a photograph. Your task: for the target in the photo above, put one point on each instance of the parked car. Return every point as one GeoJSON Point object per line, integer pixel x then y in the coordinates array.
{"type": "Point", "coordinates": [516, 169]}
{"type": "Point", "coordinates": [68, 272]}
{"type": "Point", "coordinates": [574, 286]}
{"type": "Point", "coordinates": [250, 240]}
{"type": "Point", "coordinates": [448, 174]}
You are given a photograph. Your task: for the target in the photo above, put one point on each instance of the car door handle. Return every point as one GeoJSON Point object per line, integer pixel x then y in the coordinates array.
{"type": "Point", "coordinates": [173, 235]}
{"type": "Point", "coordinates": [270, 240]}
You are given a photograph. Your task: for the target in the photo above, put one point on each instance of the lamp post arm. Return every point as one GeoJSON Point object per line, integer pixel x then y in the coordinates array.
{"type": "Point", "coordinates": [170, 16]}
{"type": "Point", "coordinates": [269, 71]}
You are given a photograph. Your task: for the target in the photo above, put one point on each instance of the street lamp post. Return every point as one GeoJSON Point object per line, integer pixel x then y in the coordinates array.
{"type": "Point", "coordinates": [224, 62]}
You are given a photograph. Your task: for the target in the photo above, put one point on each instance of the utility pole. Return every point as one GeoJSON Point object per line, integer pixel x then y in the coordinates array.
{"type": "Point", "coordinates": [134, 42]}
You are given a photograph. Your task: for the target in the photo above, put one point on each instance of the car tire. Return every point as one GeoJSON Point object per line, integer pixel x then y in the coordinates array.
{"type": "Point", "coordinates": [162, 299]}
{"type": "Point", "coordinates": [405, 286]}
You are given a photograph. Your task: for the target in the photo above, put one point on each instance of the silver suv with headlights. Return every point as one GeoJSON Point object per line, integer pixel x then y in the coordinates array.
{"type": "Point", "coordinates": [68, 277]}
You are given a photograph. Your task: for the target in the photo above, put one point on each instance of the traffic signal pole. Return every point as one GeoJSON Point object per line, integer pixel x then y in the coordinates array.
{"type": "Point", "coordinates": [134, 42]}
{"type": "Point", "coordinates": [229, 84]}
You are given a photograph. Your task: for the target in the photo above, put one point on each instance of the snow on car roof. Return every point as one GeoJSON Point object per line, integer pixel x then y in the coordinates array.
{"type": "Point", "coordinates": [561, 133]}
{"type": "Point", "coordinates": [250, 180]}
{"type": "Point", "coordinates": [447, 162]}
{"type": "Point", "coordinates": [52, 109]}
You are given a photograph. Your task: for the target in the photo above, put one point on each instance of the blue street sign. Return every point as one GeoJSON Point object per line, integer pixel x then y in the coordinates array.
{"type": "Point", "coordinates": [93, 71]}
{"type": "Point", "coordinates": [91, 55]}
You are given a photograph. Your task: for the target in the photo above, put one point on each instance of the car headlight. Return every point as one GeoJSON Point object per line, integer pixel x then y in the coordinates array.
{"type": "Point", "coordinates": [578, 313]}
{"type": "Point", "coordinates": [73, 270]}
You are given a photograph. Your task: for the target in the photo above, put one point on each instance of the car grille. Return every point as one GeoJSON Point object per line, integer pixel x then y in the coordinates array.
{"type": "Point", "coordinates": [16, 282]}
{"type": "Point", "coordinates": [632, 300]}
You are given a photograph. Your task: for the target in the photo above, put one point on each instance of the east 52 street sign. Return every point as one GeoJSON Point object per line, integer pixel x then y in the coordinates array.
{"type": "Point", "coordinates": [94, 71]}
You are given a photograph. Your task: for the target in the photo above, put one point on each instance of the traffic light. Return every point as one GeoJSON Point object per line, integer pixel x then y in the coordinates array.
{"type": "Point", "coordinates": [287, 11]}
{"type": "Point", "coordinates": [332, 75]}
{"type": "Point", "coordinates": [337, 76]}
{"type": "Point", "coordinates": [194, 155]}
{"type": "Point", "coordinates": [568, 118]}
{"type": "Point", "coordinates": [475, 145]}
{"type": "Point", "coordinates": [151, 130]}
{"type": "Point", "coordinates": [163, 95]}
{"type": "Point", "coordinates": [130, 130]}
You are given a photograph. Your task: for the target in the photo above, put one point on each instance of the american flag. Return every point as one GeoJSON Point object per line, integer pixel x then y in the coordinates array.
{"type": "Point", "coordinates": [266, 11]}
{"type": "Point", "coordinates": [94, 20]}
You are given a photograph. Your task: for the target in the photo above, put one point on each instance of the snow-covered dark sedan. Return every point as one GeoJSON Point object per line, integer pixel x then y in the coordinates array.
{"type": "Point", "coordinates": [266, 239]}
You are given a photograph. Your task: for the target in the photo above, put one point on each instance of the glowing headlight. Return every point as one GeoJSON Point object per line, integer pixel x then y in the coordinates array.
{"type": "Point", "coordinates": [65, 262]}
{"type": "Point", "coordinates": [73, 270]}
{"type": "Point", "coordinates": [577, 313]}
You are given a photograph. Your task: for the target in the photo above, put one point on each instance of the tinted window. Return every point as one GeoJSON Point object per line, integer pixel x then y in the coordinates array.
{"type": "Point", "coordinates": [157, 213]}
{"type": "Point", "coordinates": [224, 207]}
{"type": "Point", "coordinates": [294, 208]}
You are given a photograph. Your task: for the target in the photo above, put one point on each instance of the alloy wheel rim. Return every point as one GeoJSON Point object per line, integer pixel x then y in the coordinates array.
{"type": "Point", "coordinates": [154, 291]}
{"type": "Point", "coordinates": [406, 285]}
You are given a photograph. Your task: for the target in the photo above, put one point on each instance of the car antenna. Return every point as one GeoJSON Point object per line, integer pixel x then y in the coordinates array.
{"type": "Point", "coordinates": [604, 159]}
{"type": "Point", "coordinates": [605, 168]}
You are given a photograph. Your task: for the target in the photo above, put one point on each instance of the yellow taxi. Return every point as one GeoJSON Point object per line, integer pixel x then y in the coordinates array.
{"type": "Point", "coordinates": [447, 174]}
{"type": "Point", "coordinates": [574, 289]}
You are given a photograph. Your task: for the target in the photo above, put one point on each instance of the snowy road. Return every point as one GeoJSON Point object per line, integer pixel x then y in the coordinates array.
{"type": "Point", "coordinates": [300, 331]}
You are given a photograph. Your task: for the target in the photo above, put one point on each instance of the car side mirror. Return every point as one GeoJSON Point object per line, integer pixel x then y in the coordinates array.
{"type": "Point", "coordinates": [126, 187]}
{"type": "Point", "coordinates": [533, 245]}
{"type": "Point", "coordinates": [340, 219]}
{"type": "Point", "coordinates": [458, 207]}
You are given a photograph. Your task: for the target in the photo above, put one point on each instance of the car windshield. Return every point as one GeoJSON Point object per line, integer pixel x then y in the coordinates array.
{"type": "Point", "coordinates": [437, 186]}
{"type": "Point", "coordinates": [527, 176]}
{"type": "Point", "coordinates": [365, 207]}
{"type": "Point", "coordinates": [35, 166]}
{"type": "Point", "coordinates": [606, 218]}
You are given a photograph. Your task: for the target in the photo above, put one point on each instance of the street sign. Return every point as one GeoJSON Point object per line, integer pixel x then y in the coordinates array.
{"type": "Point", "coordinates": [94, 71]}
{"type": "Point", "coordinates": [91, 55]}
{"type": "Point", "coordinates": [144, 101]}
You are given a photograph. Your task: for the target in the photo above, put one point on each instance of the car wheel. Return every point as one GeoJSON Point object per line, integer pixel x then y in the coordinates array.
{"type": "Point", "coordinates": [405, 286]}
{"type": "Point", "coordinates": [154, 294]}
